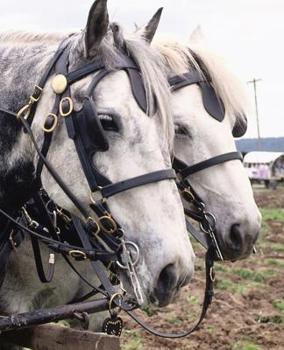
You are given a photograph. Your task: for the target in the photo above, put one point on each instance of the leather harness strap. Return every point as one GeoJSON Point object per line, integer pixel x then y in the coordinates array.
{"type": "Point", "coordinates": [208, 163]}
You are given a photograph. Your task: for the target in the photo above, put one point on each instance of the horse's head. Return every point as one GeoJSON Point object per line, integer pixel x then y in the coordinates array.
{"type": "Point", "coordinates": [209, 111]}
{"type": "Point", "coordinates": [136, 136]}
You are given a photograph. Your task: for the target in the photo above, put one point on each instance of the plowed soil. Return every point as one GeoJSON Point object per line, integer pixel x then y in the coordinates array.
{"type": "Point", "coordinates": [248, 309]}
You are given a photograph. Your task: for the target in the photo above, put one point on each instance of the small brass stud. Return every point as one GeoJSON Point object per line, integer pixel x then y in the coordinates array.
{"type": "Point", "coordinates": [59, 84]}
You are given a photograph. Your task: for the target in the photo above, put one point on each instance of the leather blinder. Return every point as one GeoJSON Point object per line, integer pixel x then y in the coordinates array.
{"type": "Point", "coordinates": [212, 103]}
{"type": "Point", "coordinates": [89, 126]}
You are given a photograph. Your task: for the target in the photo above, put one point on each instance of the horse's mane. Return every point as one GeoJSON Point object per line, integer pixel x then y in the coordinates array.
{"type": "Point", "coordinates": [150, 60]}
{"type": "Point", "coordinates": [22, 37]}
{"type": "Point", "coordinates": [229, 88]}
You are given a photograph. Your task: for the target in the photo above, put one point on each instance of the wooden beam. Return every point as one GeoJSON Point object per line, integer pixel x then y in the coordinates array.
{"type": "Point", "coordinates": [53, 337]}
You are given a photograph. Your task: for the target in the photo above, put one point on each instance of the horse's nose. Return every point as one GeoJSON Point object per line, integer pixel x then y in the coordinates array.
{"type": "Point", "coordinates": [168, 284]}
{"type": "Point", "coordinates": [241, 240]}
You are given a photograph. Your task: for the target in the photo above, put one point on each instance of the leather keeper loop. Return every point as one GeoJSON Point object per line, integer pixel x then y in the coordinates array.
{"type": "Point", "coordinates": [36, 94]}
{"type": "Point", "coordinates": [66, 106]}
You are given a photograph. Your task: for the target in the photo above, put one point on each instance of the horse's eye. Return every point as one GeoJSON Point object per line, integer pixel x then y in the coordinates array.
{"type": "Point", "coordinates": [182, 130]}
{"type": "Point", "coordinates": [109, 122]}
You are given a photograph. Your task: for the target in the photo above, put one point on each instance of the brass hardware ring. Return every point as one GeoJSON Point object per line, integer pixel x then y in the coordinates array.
{"type": "Point", "coordinates": [111, 301]}
{"type": "Point", "coordinates": [71, 106]}
{"type": "Point", "coordinates": [212, 274]}
{"type": "Point", "coordinates": [77, 254]}
{"type": "Point", "coordinates": [110, 221]}
{"type": "Point", "coordinates": [54, 124]}
{"type": "Point", "coordinates": [188, 195]}
{"type": "Point", "coordinates": [24, 111]}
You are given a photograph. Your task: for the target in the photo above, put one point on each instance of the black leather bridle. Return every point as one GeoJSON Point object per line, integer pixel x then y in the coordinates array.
{"type": "Point", "coordinates": [83, 128]}
{"type": "Point", "coordinates": [215, 108]}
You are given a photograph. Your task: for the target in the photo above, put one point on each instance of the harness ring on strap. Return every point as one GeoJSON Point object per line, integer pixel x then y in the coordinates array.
{"type": "Point", "coordinates": [103, 220]}
{"type": "Point", "coordinates": [62, 108]}
{"type": "Point", "coordinates": [54, 123]}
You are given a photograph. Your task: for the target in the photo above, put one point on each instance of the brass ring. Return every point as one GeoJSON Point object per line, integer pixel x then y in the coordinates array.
{"type": "Point", "coordinates": [186, 192]}
{"type": "Point", "coordinates": [111, 301]}
{"type": "Point", "coordinates": [77, 254]}
{"type": "Point", "coordinates": [54, 124]}
{"type": "Point", "coordinates": [212, 274]}
{"type": "Point", "coordinates": [71, 107]}
{"type": "Point", "coordinates": [110, 221]}
{"type": "Point", "coordinates": [24, 111]}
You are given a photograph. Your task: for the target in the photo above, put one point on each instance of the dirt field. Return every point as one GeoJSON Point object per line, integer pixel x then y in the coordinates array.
{"type": "Point", "coordinates": [248, 309]}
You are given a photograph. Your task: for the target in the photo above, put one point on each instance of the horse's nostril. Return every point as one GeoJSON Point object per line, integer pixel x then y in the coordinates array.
{"type": "Point", "coordinates": [235, 238]}
{"type": "Point", "coordinates": [167, 278]}
{"type": "Point", "coordinates": [166, 284]}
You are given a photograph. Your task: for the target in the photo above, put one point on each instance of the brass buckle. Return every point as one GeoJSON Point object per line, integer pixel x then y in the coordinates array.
{"type": "Point", "coordinates": [24, 111]}
{"type": "Point", "coordinates": [77, 254]}
{"type": "Point", "coordinates": [35, 97]}
{"type": "Point", "coordinates": [54, 124]}
{"type": "Point", "coordinates": [71, 106]}
{"type": "Point", "coordinates": [188, 195]}
{"type": "Point", "coordinates": [102, 221]}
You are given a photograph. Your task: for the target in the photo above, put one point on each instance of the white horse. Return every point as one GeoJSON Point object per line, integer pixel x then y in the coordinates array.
{"type": "Point", "coordinates": [224, 188]}
{"type": "Point", "coordinates": [151, 215]}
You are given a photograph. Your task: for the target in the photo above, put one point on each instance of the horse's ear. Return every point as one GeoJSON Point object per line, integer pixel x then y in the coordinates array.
{"type": "Point", "coordinates": [97, 27]}
{"type": "Point", "coordinates": [197, 35]}
{"type": "Point", "coordinates": [149, 31]}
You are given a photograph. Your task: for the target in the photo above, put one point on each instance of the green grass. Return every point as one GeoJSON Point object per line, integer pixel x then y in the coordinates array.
{"type": "Point", "coordinates": [279, 304]}
{"type": "Point", "coordinates": [276, 247]}
{"type": "Point", "coordinates": [192, 300]}
{"type": "Point", "coordinates": [134, 341]}
{"type": "Point", "coordinates": [255, 276]}
{"type": "Point", "coordinates": [272, 214]}
{"type": "Point", "coordinates": [246, 345]}
{"type": "Point", "coordinates": [274, 262]}
{"type": "Point", "coordinates": [227, 284]}
{"type": "Point", "coordinates": [275, 319]}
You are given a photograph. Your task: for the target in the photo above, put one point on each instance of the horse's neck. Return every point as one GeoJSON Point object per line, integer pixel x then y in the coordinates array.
{"type": "Point", "coordinates": [20, 69]}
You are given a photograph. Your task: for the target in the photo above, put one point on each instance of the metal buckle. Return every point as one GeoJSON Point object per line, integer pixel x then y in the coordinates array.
{"type": "Point", "coordinates": [77, 254]}
{"type": "Point", "coordinates": [95, 226]}
{"type": "Point", "coordinates": [109, 220]}
{"type": "Point", "coordinates": [61, 108]}
{"type": "Point", "coordinates": [35, 97]}
{"type": "Point", "coordinates": [54, 124]}
{"type": "Point", "coordinates": [188, 195]}
{"type": "Point", "coordinates": [24, 111]}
